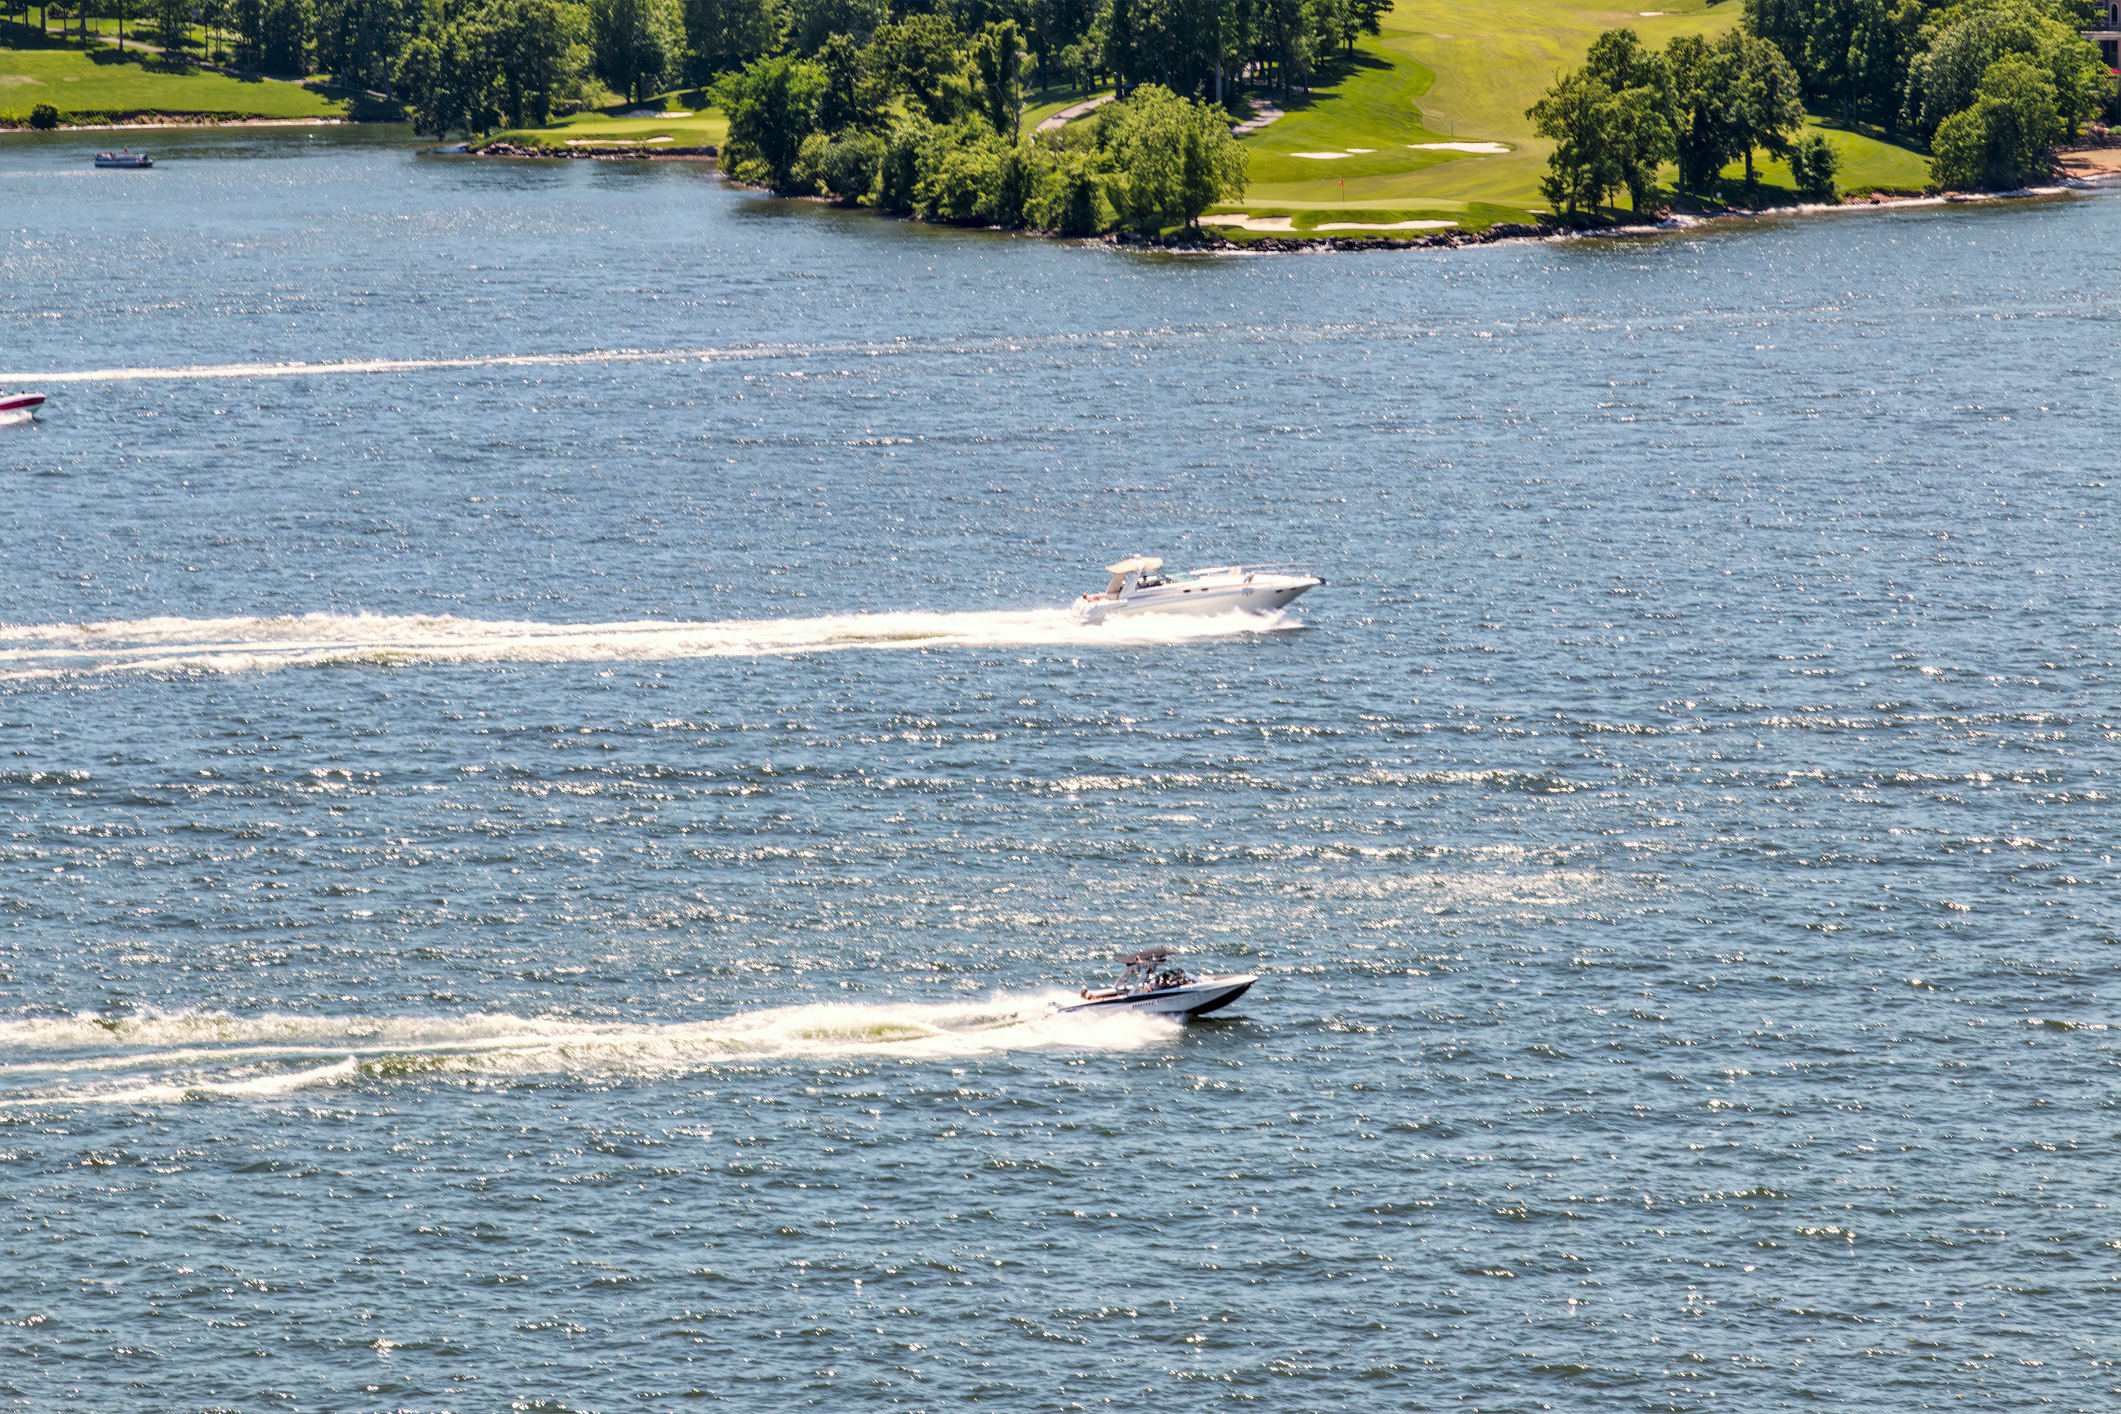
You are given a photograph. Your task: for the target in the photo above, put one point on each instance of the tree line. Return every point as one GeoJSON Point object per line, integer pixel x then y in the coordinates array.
{"type": "Point", "coordinates": [1989, 85]}
{"type": "Point", "coordinates": [501, 60]}
{"type": "Point", "coordinates": [915, 125]}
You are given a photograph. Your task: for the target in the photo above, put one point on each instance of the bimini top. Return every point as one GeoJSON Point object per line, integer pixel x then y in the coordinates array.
{"type": "Point", "coordinates": [1145, 955]}
{"type": "Point", "coordinates": [1137, 563]}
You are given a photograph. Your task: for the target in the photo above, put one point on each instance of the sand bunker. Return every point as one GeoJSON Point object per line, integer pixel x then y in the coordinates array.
{"type": "Point", "coordinates": [1319, 156]}
{"type": "Point", "coordinates": [1453, 147]}
{"type": "Point", "coordinates": [1288, 224]}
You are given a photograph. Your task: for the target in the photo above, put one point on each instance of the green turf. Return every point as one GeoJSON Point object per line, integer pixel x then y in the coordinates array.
{"type": "Point", "coordinates": [104, 81]}
{"type": "Point", "coordinates": [703, 128]}
{"type": "Point", "coordinates": [1465, 71]}
{"type": "Point", "coordinates": [1466, 216]}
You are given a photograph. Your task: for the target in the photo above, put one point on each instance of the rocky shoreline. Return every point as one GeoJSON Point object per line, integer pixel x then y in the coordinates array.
{"type": "Point", "coordinates": [1209, 239]}
{"type": "Point", "coordinates": [614, 152]}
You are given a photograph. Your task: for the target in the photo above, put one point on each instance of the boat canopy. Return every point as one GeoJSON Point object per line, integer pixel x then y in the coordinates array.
{"type": "Point", "coordinates": [1137, 563]}
{"type": "Point", "coordinates": [1145, 955]}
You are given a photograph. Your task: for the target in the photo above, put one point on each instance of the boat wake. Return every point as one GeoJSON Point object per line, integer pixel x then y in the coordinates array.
{"type": "Point", "coordinates": [154, 1058]}
{"type": "Point", "coordinates": [174, 645]}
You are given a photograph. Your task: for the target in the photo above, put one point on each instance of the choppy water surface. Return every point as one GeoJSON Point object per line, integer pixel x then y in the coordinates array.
{"type": "Point", "coordinates": [538, 856]}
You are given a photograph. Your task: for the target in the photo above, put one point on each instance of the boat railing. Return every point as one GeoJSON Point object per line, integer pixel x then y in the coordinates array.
{"type": "Point", "coordinates": [1292, 567]}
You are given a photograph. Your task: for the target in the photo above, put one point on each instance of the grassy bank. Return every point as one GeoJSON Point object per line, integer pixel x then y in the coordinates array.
{"type": "Point", "coordinates": [103, 80]}
{"type": "Point", "coordinates": [686, 121]}
{"type": "Point", "coordinates": [1363, 145]}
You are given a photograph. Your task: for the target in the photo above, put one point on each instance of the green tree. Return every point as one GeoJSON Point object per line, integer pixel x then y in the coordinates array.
{"type": "Point", "coordinates": [1767, 108]}
{"type": "Point", "coordinates": [1144, 140]}
{"type": "Point", "coordinates": [1580, 171]}
{"type": "Point", "coordinates": [441, 74]}
{"type": "Point", "coordinates": [1704, 85]}
{"type": "Point", "coordinates": [1945, 78]}
{"type": "Point", "coordinates": [1119, 42]}
{"type": "Point", "coordinates": [772, 106]}
{"type": "Point", "coordinates": [813, 22]}
{"type": "Point", "coordinates": [172, 18]}
{"type": "Point", "coordinates": [2002, 138]}
{"type": "Point", "coordinates": [1814, 163]}
{"type": "Point", "coordinates": [721, 35]}
{"type": "Point", "coordinates": [634, 44]}
{"type": "Point", "coordinates": [996, 60]}
{"type": "Point", "coordinates": [529, 46]}
{"type": "Point", "coordinates": [1613, 122]}
{"type": "Point", "coordinates": [919, 57]}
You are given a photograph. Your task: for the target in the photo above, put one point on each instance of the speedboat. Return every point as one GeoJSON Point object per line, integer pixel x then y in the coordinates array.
{"type": "Point", "coordinates": [23, 404]}
{"type": "Point", "coordinates": [1149, 981]}
{"type": "Point", "coordinates": [125, 158]}
{"type": "Point", "coordinates": [1140, 586]}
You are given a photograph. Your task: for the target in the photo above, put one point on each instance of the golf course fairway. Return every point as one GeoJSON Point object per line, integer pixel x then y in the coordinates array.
{"type": "Point", "coordinates": [1369, 137]}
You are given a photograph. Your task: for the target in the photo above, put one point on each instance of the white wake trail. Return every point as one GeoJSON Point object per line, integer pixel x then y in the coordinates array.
{"type": "Point", "coordinates": [171, 645]}
{"type": "Point", "coordinates": [166, 1058]}
{"type": "Point", "coordinates": [301, 369]}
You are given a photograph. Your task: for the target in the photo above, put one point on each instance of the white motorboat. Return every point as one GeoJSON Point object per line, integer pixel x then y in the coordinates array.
{"type": "Point", "coordinates": [13, 405]}
{"type": "Point", "coordinates": [1149, 981]}
{"type": "Point", "coordinates": [1140, 586]}
{"type": "Point", "coordinates": [125, 158]}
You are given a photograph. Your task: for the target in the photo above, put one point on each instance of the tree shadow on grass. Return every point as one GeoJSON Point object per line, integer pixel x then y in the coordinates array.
{"type": "Point", "coordinates": [14, 35]}
{"type": "Point", "coordinates": [141, 59]}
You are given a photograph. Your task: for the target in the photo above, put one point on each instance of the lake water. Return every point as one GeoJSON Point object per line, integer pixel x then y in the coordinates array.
{"type": "Point", "coordinates": [536, 861]}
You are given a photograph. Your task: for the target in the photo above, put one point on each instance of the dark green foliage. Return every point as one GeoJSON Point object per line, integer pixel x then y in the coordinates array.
{"type": "Point", "coordinates": [845, 165]}
{"type": "Point", "coordinates": [635, 43]}
{"type": "Point", "coordinates": [1813, 165]}
{"type": "Point", "coordinates": [2001, 139]}
{"type": "Point", "coordinates": [1119, 41]}
{"type": "Point", "coordinates": [995, 59]}
{"type": "Point", "coordinates": [920, 58]}
{"type": "Point", "coordinates": [772, 107]}
{"type": "Point", "coordinates": [44, 116]}
{"type": "Point", "coordinates": [1612, 122]}
{"type": "Point", "coordinates": [811, 23]}
{"type": "Point", "coordinates": [722, 35]}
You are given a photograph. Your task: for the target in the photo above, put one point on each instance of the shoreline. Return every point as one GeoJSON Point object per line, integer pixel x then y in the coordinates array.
{"type": "Point", "coordinates": [150, 126]}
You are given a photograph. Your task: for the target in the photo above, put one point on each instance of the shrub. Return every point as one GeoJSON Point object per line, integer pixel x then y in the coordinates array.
{"type": "Point", "coordinates": [1814, 163]}
{"type": "Point", "coordinates": [1071, 199]}
{"type": "Point", "coordinates": [844, 165]}
{"type": "Point", "coordinates": [44, 116]}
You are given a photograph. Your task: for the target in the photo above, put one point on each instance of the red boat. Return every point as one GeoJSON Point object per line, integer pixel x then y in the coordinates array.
{"type": "Point", "coordinates": [20, 402]}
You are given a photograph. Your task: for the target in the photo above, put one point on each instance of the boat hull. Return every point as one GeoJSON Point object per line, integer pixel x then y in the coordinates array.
{"type": "Point", "coordinates": [1194, 999]}
{"type": "Point", "coordinates": [1195, 602]}
{"type": "Point", "coordinates": [20, 403]}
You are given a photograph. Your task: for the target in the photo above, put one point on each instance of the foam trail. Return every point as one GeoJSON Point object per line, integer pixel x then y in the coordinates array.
{"type": "Point", "coordinates": [240, 645]}
{"type": "Point", "coordinates": [167, 1058]}
{"type": "Point", "coordinates": [300, 369]}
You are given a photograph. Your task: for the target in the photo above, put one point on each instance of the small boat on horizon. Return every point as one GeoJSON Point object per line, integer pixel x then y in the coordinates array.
{"type": "Point", "coordinates": [1139, 585]}
{"type": "Point", "coordinates": [1149, 981]}
{"type": "Point", "coordinates": [25, 404]}
{"type": "Point", "coordinates": [124, 157]}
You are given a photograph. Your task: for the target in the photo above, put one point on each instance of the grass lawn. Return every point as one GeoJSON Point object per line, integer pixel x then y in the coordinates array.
{"type": "Point", "coordinates": [1044, 103]}
{"type": "Point", "coordinates": [703, 127]}
{"type": "Point", "coordinates": [105, 81]}
{"type": "Point", "coordinates": [1464, 71]}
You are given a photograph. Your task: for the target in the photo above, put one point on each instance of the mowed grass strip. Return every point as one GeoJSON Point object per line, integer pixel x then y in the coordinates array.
{"type": "Point", "coordinates": [104, 81]}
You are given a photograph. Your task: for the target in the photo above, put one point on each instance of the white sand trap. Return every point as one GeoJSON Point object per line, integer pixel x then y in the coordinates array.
{"type": "Point", "coordinates": [1319, 156]}
{"type": "Point", "coordinates": [1361, 149]}
{"type": "Point", "coordinates": [1288, 223]}
{"type": "Point", "coordinates": [1385, 226]}
{"type": "Point", "coordinates": [1454, 147]}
